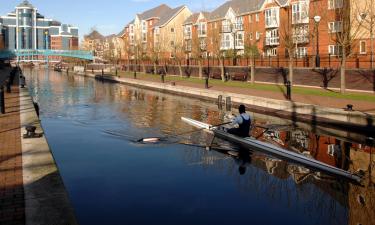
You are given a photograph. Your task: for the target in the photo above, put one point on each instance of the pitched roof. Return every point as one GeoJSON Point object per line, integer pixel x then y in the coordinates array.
{"type": "Point", "coordinates": [239, 7]}
{"type": "Point", "coordinates": [168, 16]}
{"type": "Point", "coordinates": [154, 12]}
{"type": "Point", "coordinates": [193, 18]}
{"type": "Point", "coordinates": [94, 35]}
{"type": "Point", "coordinates": [122, 32]}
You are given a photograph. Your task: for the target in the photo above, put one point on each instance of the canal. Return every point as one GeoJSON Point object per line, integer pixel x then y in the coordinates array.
{"type": "Point", "coordinates": [92, 128]}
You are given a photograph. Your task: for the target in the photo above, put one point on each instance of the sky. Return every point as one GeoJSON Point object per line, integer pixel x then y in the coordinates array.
{"type": "Point", "coordinates": [107, 16]}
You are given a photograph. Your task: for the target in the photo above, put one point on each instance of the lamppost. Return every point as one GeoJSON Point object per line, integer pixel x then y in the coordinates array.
{"type": "Point", "coordinates": [371, 22]}
{"type": "Point", "coordinates": [317, 58]}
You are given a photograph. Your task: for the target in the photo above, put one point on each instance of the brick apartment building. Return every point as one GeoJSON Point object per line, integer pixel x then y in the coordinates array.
{"type": "Point", "coordinates": [276, 28]}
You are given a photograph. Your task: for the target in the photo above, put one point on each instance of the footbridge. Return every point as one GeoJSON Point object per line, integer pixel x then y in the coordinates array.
{"type": "Point", "coordinates": [44, 55]}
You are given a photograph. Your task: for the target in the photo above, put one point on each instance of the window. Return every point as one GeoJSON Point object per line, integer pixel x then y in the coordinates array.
{"type": "Point", "coordinates": [202, 44]}
{"type": "Point", "coordinates": [226, 41]}
{"type": "Point", "coordinates": [301, 52]}
{"type": "Point", "coordinates": [257, 17]}
{"type": "Point", "coordinates": [335, 27]}
{"type": "Point", "coordinates": [301, 34]}
{"type": "Point", "coordinates": [188, 46]}
{"type": "Point", "coordinates": [202, 31]}
{"type": "Point", "coordinates": [250, 18]}
{"type": "Point", "coordinates": [272, 17]}
{"type": "Point", "coordinates": [271, 52]}
{"type": "Point", "coordinates": [172, 30]}
{"type": "Point", "coordinates": [335, 4]}
{"type": "Point", "coordinates": [172, 43]}
{"type": "Point", "coordinates": [150, 22]}
{"type": "Point", "coordinates": [257, 35]}
{"type": "Point", "coordinates": [272, 37]}
{"type": "Point", "coordinates": [144, 37]}
{"type": "Point", "coordinates": [335, 50]}
{"type": "Point", "coordinates": [300, 12]}
{"type": "Point", "coordinates": [226, 26]}
{"type": "Point", "coordinates": [239, 23]}
{"type": "Point", "coordinates": [251, 36]}
{"type": "Point", "coordinates": [239, 40]}
{"type": "Point", "coordinates": [144, 26]}
{"type": "Point", "coordinates": [188, 32]}
{"type": "Point", "coordinates": [362, 47]}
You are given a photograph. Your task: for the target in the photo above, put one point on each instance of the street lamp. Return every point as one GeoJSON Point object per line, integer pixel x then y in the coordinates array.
{"type": "Point", "coordinates": [317, 58]}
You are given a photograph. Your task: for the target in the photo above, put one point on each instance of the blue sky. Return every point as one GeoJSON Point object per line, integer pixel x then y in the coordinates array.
{"type": "Point", "coordinates": [108, 16]}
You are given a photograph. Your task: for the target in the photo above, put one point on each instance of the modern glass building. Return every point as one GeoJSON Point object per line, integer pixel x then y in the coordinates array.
{"type": "Point", "coordinates": [25, 28]}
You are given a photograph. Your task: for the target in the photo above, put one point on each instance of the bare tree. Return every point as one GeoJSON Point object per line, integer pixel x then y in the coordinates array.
{"type": "Point", "coordinates": [345, 32]}
{"type": "Point", "coordinates": [197, 51]}
{"type": "Point", "coordinates": [216, 41]}
{"type": "Point", "coordinates": [366, 10]}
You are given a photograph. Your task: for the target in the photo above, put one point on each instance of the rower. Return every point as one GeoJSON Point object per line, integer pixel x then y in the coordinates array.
{"type": "Point", "coordinates": [243, 121]}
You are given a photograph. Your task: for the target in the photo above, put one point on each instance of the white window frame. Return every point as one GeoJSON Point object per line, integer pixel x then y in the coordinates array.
{"type": "Point", "coordinates": [300, 12]}
{"type": "Point", "coordinates": [335, 50]}
{"type": "Point", "coordinates": [202, 29]}
{"type": "Point", "coordinates": [257, 35]}
{"type": "Point", "coordinates": [251, 36]}
{"type": "Point", "coordinates": [335, 4]}
{"type": "Point", "coordinates": [361, 50]}
{"type": "Point", "coordinates": [271, 52]}
{"type": "Point", "coordinates": [240, 41]}
{"type": "Point", "coordinates": [272, 37]}
{"type": "Point", "coordinates": [257, 17]}
{"type": "Point", "coordinates": [188, 32]}
{"type": "Point", "coordinates": [335, 27]}
{"type": "Point", "coordinates": [301, 52]}
{"type": "Point", "coordinates": [272, 18]}
{"type": "Point", "coordinates": [239, 23]}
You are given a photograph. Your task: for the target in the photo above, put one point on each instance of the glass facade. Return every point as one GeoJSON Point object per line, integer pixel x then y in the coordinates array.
{"type": "Point", "coordinates": [25, 28]}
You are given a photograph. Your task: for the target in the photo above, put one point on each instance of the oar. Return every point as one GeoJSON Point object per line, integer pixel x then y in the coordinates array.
{"type": "Point", "coordinates": [156, 139]}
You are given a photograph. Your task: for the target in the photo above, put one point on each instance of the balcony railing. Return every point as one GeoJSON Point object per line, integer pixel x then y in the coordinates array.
{"type": "Point", "coordinates": [187, 35]}
{"type": "Point", "coordinates": [239, 26]}
{"type": "Point", "coordinates": [272, 41]}
{"type": "Point", "coordinates": [301, 39]}
{"type": "Point", "coordinates": [226, 29]}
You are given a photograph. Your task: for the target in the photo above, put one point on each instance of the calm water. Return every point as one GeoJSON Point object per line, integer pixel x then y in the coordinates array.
{"type": "Point", "coordinates": [91, 128]}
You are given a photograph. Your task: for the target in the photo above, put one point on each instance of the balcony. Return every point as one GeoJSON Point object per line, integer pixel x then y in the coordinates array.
{"type": "Point", "coordinates": [187, 35]}
{"type": "Point", "coordinates": [301, 39]}
{"type": "Point", "coordinates": [270, 41]}
{"type": "Point", "coordinates": [226, 29]}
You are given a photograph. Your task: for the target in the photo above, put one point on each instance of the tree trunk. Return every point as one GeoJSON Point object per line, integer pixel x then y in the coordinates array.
{"type": "Point", "coordinates": [222, 69]}
{"type": "Point", "coordinates": [200, 69]}
{"type": "Point", "coordinates": [342, 72]}
{"type": "Point", "coordinates": [180, 68]}
{"type": "Point", "coordinates": [155, 68]}
{"type": "Point", "coordinates": [291, 71]}
{"type": "Point", "coordinates": [143, 67]}
{"type": "Point", "coordinates": [252, 72]}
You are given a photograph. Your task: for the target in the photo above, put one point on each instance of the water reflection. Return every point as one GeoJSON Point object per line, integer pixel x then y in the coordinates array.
{"type": "Point", "coordinates": [91, 125]}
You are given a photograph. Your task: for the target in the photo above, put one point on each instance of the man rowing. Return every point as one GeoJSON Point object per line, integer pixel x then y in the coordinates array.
{"type": "Point", "coordinates": [243, 121]}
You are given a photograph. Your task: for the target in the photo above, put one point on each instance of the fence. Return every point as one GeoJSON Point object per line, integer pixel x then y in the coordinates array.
{"type": "Point", "coordinates": [359, 61]}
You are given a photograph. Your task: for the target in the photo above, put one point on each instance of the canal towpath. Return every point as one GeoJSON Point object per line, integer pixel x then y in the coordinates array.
{"type": "Point", "coordinates": [31, 189]}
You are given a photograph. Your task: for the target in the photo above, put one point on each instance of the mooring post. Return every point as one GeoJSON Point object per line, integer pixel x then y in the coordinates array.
{"type": "Point", "coordinates": [228, 103]}
{"type": "Point", "coordinates": [220, 102]}
{"type": "Point", "coordinates": [288, 90]}
{"type": "Point", "coordinates": [2, 100]}
{"type": "Point", "coordinates": [206, 82]}
{"type": "Point", "coordinates": [8, 87]}
{"type": "Point", "coordinates": [162, 78]}
{"type": "Point", "coordinates": [116, 72]}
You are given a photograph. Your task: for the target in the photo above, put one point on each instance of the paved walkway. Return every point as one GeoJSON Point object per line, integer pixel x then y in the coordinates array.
{"type": "Point", "coordinates": [363, 106]}
{"type": "Point", "coordinates": [12, 205]}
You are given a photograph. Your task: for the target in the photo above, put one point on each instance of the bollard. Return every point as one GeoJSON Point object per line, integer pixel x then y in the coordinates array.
{"type": "Point", "coordinates": [8, 87]}
{"type": "Point", "coordinates": [116, 73]}
{"type": "Point", "coordinates": [92, 71]}
{"type": "Point", "coordinates": [67, 70]}
{"type": "Point", "coordinates": [228, 104]}
{"type": "Point", "coordinates": [102, 72]}
{"type": "Point", "coordinates": [220, 102]}
{"type": "Point", "coordinates": [162, 78]}
{"type": "Point", "coordinates": [2, 101]}
{"type": "Point", "coordinates": [288, 90]}
{"type": "Point", "coordinates": [206, 83]}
